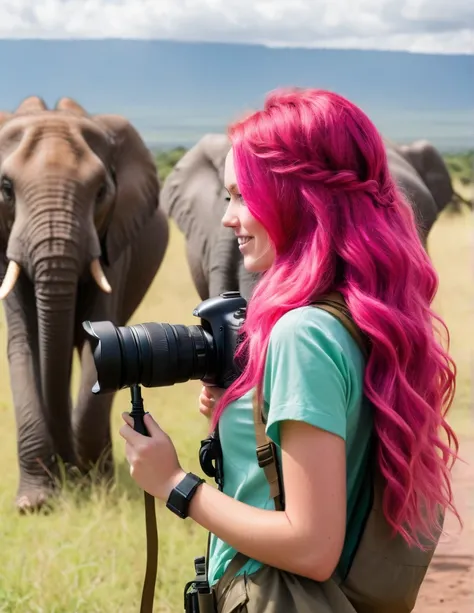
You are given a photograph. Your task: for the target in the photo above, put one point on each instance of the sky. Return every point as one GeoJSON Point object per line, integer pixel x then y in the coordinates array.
{"type": "Point", "coordinates": [420, 26]}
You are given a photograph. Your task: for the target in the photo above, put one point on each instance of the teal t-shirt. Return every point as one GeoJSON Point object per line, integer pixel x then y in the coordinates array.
{"type": "Point", "coordinates": [313, 373]}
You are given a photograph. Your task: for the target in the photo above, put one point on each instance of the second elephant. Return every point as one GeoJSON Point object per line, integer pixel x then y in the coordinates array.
{"type": "Point", "coordinates": [193, 195]}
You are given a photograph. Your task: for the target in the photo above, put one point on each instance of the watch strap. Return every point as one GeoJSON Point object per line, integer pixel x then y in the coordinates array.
{"type": "Point", "coordinates": [181, 495]}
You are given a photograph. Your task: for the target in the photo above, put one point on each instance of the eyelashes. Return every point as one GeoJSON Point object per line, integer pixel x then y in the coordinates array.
{"type": "Point", "coordinates": [238, 196]}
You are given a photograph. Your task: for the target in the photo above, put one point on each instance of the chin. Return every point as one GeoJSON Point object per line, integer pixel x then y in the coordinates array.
{"type": "Point", "coordinates": [255, 267]}
{"type": "Point", "coordinates": [249, 267]}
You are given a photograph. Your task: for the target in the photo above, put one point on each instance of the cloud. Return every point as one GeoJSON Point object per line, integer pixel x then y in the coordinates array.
{"type": "Point", "coordinates": [424, 26]}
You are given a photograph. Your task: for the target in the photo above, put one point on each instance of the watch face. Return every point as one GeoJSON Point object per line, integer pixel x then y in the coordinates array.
{"type": "Point", "coordinates": [181, 495]}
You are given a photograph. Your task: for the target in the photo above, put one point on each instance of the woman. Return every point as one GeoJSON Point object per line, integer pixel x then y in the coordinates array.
{"type": "Point", "coordinates": [315, 209]}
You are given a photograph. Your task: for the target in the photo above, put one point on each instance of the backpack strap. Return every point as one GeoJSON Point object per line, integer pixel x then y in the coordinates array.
{"type": "Point", "coordinates": [335, 304]}
{"type": "Point", "coordinates": [266, 455]}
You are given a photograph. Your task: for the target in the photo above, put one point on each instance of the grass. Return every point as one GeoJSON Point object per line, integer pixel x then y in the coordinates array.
{"type": "Point", "coordinates": [461, 166]}
{"type": "Point", "coordinates": [89, 555]}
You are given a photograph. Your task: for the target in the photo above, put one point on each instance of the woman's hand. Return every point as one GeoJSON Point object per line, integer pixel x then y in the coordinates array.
{"type": "Point", "coordinates": [207, 399]}
{"type": "Point", "coordinates": [153, 460]}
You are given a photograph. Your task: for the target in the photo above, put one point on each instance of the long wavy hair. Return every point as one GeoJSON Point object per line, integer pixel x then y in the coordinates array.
{"type": "Point", "coordinates": [312, 169]}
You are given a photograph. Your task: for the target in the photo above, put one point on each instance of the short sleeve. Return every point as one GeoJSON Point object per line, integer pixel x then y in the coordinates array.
{"type": "Point", "coordinates": [306, 374]}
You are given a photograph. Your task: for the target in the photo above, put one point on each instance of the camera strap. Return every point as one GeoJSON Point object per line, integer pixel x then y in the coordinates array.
{"type": "Point", "coordinates": [148, 592]}
{"type": "Point", "coordinates": [219, 478]}
{"type": "Point", "coordinates": [215, 455]}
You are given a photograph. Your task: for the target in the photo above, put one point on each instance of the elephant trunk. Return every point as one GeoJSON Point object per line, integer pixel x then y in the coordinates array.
{"type": "Point", "coordinates": [247, 281]}
{"type": "Point", "coordinates": [58, 247]}
{"type": "Point", "coordinates": [223, 263]}
{"type": "Point", "coordinates": [227, 271]}
{"type": "Point", "coordinates": [55, 290]}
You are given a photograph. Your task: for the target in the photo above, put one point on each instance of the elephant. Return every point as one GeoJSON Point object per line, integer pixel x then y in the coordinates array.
{"type": "Point", "coordinates": [82, 237]}
{"type": "Point", "coordinates": [193, 196]}
{"type": "Point", "coordinates": [423, 176]}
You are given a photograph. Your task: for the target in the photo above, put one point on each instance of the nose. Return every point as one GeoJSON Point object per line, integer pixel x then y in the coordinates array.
{"type": "Point", "coordinates": [230, 219]}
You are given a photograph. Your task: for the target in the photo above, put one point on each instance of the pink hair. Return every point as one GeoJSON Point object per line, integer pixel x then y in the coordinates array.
{"type": "Point", "coordinates": [312, 169]}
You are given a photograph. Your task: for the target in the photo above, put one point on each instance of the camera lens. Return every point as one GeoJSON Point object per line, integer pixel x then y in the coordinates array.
{"type": "Point", "coordinates": [149, 354]}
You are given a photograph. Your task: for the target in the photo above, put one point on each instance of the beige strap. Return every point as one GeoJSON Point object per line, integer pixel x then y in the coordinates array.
{"type": "Point", "coordinates": [266, 455]}
{"type": "Point", "coordinates": [335, 304]}
{"type": "Point", "coordinates": [148, 592]}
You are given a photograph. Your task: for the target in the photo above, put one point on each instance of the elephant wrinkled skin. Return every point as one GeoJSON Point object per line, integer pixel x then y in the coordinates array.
{"type": "Point", "coordinates": [82, 237]}
{"type": "Point", "coordinates": [193, 195]}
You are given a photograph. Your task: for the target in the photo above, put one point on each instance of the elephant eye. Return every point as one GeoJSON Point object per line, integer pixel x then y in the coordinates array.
{"type": "Point", "coordinates": [7, 191]}
{"type": "Point", "coordinates": [101, 193]}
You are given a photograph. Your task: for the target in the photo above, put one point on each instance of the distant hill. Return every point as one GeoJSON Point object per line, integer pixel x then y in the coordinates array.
{"type": "Point", "coordinates": [174, 92]}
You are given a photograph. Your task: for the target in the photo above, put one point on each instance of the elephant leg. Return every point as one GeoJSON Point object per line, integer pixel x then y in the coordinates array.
{"type": "Point", "coordinates": [91, 423]}
{"type": "Point", "coordinates": [38, 466]}
{"type": "Point", "coordinates": [130, 281]}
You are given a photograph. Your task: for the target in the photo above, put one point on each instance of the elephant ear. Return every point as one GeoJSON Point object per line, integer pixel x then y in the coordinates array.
{"type": "Point", "coordinates": [4, 228]}
{"type": "Point", "coordinates": [137, 186]}
{"type": "Point", "coordinates": [193, 196]}
{"type": "Point", "coordinates": [195, 185]}
{"type": "Point", "coordinates": [215, 148]}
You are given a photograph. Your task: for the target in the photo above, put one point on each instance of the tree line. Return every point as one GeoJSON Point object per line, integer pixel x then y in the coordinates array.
{"type": "Point", "coordinates": [460, 165]}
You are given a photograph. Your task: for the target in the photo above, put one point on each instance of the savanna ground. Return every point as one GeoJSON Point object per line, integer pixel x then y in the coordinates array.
{"type": "Point", "coordinates": [89, 555]}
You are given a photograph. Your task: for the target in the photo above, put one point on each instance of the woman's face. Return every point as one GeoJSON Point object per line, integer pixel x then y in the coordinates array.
{"type": "Point", "coordinates": [254, 242]}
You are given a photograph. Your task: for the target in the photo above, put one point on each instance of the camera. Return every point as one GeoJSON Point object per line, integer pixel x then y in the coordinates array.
{"type": "Point", "coordinates": [162, 354]}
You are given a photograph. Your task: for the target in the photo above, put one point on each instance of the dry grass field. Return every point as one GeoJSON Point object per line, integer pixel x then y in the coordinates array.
{"type": "Point", "coordinates": [89, 555]}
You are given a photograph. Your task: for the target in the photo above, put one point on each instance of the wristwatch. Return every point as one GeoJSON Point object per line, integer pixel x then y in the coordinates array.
{"type": "Point", "coordinates": [181, 495]}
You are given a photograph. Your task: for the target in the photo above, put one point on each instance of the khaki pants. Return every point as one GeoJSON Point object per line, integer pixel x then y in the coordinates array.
{"type": "Point", "coordinates": [271, 590]}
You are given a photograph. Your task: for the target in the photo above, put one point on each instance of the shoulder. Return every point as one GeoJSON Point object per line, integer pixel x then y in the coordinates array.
{"type": "Point", "coordinates": [308, 326]}
{"type": "Point", "coordinates": [313, 371]}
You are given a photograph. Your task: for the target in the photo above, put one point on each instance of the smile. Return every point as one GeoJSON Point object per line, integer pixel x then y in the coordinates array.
{"type": "Point", "coordinates": [243, 240]}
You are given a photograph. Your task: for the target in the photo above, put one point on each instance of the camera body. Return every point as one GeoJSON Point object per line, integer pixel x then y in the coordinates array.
{"type": "Point", "coordinates": [222, 317]}
{"type": "Point", "coordinates": [162, 354]}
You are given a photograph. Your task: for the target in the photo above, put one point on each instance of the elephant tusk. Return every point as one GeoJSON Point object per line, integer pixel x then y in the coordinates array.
{"type": "Point", "coordinates": [99, 276]}
{"type": "Point", "coordinates": [11, 277]}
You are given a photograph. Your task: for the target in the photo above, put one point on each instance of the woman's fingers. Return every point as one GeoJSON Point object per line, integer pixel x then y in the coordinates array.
{"type": "Point", "coordinates": [206, 402]}
{"type": "Point", "coordinates": [208, 398]}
